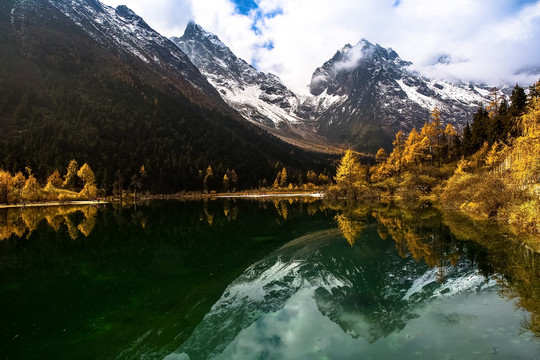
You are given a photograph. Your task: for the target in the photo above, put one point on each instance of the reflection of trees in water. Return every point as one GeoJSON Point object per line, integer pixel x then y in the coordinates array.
{"type": "Point", "coordinates": [518, 265]}
{"type": "Point", "coordinates": [349, 228]}
{"type": "Point", "coordinates": [440, 241]}
{"type": "Point", "coordinates": [421, 234]}
{"type": "Point", "coordinates": [19, 222]}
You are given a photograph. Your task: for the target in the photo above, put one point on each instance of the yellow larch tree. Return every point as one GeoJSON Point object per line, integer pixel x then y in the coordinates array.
{"type": "Point", "coordinates": [5, 185]}
{"type": "Point", "coordinates": [89, 190]}
{"type": "Point", "coordinates": [349, 173]}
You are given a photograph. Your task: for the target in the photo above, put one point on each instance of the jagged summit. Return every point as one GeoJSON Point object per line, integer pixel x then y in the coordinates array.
{"type": "Point", "coordinates": [361, 96]}
{"type": "Point", "coordinates": [372, 93]}
{"type": "Point", "coordinates": [259, 97]}
{"type": "Point", "coordinates": [330, 76]}
{"type": "Point", "coordinates": [129, 15]}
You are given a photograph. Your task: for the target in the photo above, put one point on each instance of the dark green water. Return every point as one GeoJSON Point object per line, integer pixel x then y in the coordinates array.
{"type": "Point", "coordinates": [263, 280]}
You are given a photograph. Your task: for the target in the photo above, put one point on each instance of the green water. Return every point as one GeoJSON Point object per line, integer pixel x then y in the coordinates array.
{"type": "Point", "coordinates": [263, 280]}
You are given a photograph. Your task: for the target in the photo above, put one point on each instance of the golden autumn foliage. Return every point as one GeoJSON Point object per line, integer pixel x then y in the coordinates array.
{"type": "Point", "coordinates": [350, 229]}
{"type": "Point", "coordinates": [351, 176]}
{"type": "Point", "coordinates": [21, 222]}
{"type": "Point", "coordinates": [501, 181]}
{"type": "Point", "coordinates": [17, 188]}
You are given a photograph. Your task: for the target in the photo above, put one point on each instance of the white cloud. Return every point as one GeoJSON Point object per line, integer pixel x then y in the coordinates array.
{"type": "Point", "coordinates": [234, 29]}
{"type": "Point", "coordinates": [350, 59]}
{"type": "Point", "coordinates": [497, 38]}
{"type": "Point", "coordinates": [169, 17]}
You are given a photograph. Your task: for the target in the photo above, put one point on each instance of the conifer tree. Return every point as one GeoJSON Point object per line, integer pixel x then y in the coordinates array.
{"type": "Point", "coordinates": [5, 184]}
{"type": "Point", "coordinates": [70, 178]}
{"type": "Point", "coordinates": [437, 125]}
{"type": "Point", "coordinates": [55, 179]}
{"type": "Point", "coordinates": [225, 183]}
{"type": "Point", "coordinates": [31, 189]}
{"type": "Point", "coordinates": [467, 147]}
{"type": "Point", "coordinates": [18, 183]}
{"type": "Point", "coordinates": [233, 179]}
{"type": "Point", "coordinates": [453, 142]}
{"type": "Point", "coordinates": [311, 177]}
{"type": "Point", "coordinates": [381, 156]}
{"type": "Point", "coordinates": [283, 178]}
{"type": "Point", "coordinates": [518, 105]}
{"type": "Point", "coordinates": [207, 178]}
{"type": "Point", "coordinates": [86, 174]}
{"type": "Point", "coordinates": [349, 173]}
{"type": "Point", "coordinates": [396, 157]}
{"type": "Point", "coordinates": [479, 129]}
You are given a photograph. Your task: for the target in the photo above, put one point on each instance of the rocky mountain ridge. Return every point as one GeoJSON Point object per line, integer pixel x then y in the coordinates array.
{"type": "Point", "coordinates": [362, 96]}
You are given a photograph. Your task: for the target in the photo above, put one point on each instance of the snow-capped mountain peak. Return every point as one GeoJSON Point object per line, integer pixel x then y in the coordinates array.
{"type": "Point", "coordinates": [125, 33]}
{"type": "Point", "coordinates": [370, 93]}
{"type": "Point", "coordinates": [259, 97]}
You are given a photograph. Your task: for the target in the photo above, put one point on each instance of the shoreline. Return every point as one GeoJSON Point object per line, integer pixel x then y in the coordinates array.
{"type": "Point", "coordinates": [239, 195]}
{"type": "Point", "coordinates": [269, 195]}
{"type": "Point", "coordinates": [54, 203]}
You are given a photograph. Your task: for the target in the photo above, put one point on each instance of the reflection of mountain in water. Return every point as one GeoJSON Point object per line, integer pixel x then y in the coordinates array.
{"type": "Point", "coordinates": [368, 290]}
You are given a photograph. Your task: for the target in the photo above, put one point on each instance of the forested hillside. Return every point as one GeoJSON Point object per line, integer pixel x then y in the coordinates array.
{"type": "Point", "coordinates": [66, 95]}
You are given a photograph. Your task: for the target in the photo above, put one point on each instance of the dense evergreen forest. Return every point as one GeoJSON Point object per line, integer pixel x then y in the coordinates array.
{"type": "Point", "coordinates": [64, 97]}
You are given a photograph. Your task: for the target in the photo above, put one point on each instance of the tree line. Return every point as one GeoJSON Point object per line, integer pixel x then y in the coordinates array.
{"type": "Point", "coordinates": [490, 170]}
{"type": "Point", "coordinates": [79, 183]}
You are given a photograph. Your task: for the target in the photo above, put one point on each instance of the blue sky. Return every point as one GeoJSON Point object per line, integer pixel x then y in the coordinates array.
{"type": "Point", "coordinates": [494, 40]}
{"type": "Point", "coordinates": [245, 6]}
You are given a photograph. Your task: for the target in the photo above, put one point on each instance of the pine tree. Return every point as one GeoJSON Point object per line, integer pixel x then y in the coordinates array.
{"type": "Point", "coordinates": [396, 157]}
{"type": "Point", "coordinates": [436, 121]}
{"type": "Point", "coordinates": [453, 141]}
{"type": "Point", "coordinates": [518, 105]}
{"type": "Point", "coordinates": [70, 178]}
{"type": "Point", "coordinates": [86, 174]}
{"type": "Point", "coordinates": [207, 178]}
{"type": "Point", "coordinates": [18, 184]}
{"type": "Point", "coordinates": [518, 101]}
{"type": "Point", "coordinates": [6, 182]}
{"type": "Point", "coordinates": [283, 178]}
{"type": "Point", "coordinates": [479, 129]}
{"type": "Point", "coordinates": [497, 128]}
{"type": "Point", "coordinates": [381, 156]}
{"type": "Point", "coordinates": [225, 183]}
{"type": "Point", "coordinates": [55, 179]}
{"type": "Point", "coordinates": [311, 177]}
{"type": "Point", "coordinates": [467, 147]}
{"type": "Point", "coordinates": [349, 173]}
{"type": "Point", "coordinates": [233, 179]}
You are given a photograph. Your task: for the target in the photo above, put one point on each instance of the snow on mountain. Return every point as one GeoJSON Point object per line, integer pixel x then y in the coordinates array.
{"type": "Point", "coordinates": [377, 90]}
{"type": "Point", "coordinates": [365, 298]}
{"type": "Point", "coordinates": [362, 96]}
{"type": "Point", "coordinates": [259, 97]}
{"type": "Point", "coordinates": [125, 32]}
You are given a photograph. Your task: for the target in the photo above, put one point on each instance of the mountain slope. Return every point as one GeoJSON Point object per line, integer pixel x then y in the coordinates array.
{"type": "Point", "coordinates": [260, 97]}
{"type": "Point", "coordinates": [360, 97]}
{"type": "Point", "coordinates": [82, 80]}
{"type": "Point", "coordinates": [366, 93]}
{"type": "Point", "coordinates": [256, 95]}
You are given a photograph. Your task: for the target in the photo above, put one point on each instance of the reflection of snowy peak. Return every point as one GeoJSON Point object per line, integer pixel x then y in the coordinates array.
{"type": "Point", "coordinates": [257, 96]}
{"type": "Point", "coordinates": [350, 287]}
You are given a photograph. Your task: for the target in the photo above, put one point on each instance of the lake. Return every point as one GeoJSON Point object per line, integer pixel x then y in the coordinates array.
{"type": "Point", "coordinates": [273, 279]}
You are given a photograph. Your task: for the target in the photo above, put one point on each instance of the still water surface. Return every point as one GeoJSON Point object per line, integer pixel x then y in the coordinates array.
{"type": "Point", "coordinates": [263, 280]}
